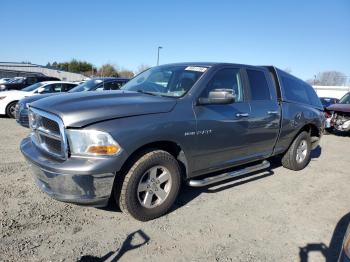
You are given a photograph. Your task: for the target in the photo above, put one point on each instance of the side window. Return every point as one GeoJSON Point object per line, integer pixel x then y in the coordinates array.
{"type": "Point", "coordinates": [101, 87]}
{"type": "Point", "coordinates": [313, 97]}
{"type": "Point", "coordinates": [57, 88]}
{"type": "Point", "coordinates": [67, 87]}
{"type": "Point", "coordinates": [48, 89]}
{"type": "Point", "coordinates": [228, 78]}
{"type": "Point", "coordinates": [113, 86]}
{"type": "Point", "coordinates": [294, 90]}
{"type": "Point", "coordinates": [31, 80]}
{"type": "Point", "coordinates": [259, 87]}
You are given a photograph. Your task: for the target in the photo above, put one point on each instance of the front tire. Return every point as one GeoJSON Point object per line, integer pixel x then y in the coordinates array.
{"type": "Point", "coordinates": [10, 109]}
{"type": "Point", "coordinates": [151, 186]}
{"type": "Point", "coordinates": [298, 156]}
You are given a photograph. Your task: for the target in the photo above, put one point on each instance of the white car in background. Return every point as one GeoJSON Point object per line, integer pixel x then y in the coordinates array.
{"type": "Point", "coordinates": [4, 80]}
{"type": "Point", "coordinates": [9, 99]}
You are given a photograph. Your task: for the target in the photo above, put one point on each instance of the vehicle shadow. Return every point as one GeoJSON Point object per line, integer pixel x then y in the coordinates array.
{"type": "Point", "coordinates": [332, 252]}
{"type": "Point", "coordinates": [188, 194]}
{"type": "Point", "coordinates": [340, 133]}
{"type": "Point", "coordinates": [133, 241]}
{"type": "Point", "coordinates": [316, 153]}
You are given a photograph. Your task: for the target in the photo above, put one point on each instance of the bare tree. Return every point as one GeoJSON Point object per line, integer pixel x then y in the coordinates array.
{"type": "Point", "coordinates": [125, 73]}
{"type": "Point", "coordinates": [141, 68]}
{"type": "Point", "coordinates": [331, 78]}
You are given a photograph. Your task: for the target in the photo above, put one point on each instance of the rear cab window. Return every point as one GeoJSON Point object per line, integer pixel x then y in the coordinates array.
{"type": "Point", "coordinates": [297, 91]}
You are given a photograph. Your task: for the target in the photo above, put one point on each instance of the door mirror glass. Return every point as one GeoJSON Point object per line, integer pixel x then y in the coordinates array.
{"type": "Point", "coordinates": [219, 97]}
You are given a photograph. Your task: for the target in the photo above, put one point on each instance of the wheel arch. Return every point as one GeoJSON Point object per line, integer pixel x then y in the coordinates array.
{"type": "Point", "coordinates": [171, 147]}
{"type": "Point", "coordinates": [313, 130]}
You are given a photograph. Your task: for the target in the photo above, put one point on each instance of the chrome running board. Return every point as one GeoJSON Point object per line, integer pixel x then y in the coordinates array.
{"type": "Point", "coordinates": [225, 176]}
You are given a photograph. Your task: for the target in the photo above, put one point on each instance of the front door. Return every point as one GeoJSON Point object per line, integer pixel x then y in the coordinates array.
{"type": "Point", "coordinates": [221, 137]}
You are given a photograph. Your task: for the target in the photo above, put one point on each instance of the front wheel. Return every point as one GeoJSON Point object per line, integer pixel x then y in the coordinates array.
{"type": "Point", "coordinates": [298, 155]}
{"type": "Point", "coordinates": [151, 186]}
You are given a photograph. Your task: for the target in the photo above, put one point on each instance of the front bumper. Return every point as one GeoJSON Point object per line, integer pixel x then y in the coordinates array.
{"type": "Point", "coordinates": [83, 181]}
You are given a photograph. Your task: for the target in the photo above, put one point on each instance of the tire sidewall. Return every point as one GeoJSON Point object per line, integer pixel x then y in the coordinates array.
{"type": "Point", "coordinates": [8, 113]}
{"type": "Point", "coordinates": [302, 136]}
{"type": "Point", "coordinates": [158, 159]}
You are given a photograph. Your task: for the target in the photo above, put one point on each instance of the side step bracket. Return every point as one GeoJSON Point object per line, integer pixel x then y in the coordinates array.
{"type": "Point", "coordinates": [215, 179]}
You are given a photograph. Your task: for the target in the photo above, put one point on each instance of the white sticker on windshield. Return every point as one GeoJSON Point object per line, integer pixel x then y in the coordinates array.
{"type": "Point", "coordinates": [196, 68]}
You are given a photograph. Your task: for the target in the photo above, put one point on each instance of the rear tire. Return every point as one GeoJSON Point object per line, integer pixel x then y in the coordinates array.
{"type": "Point", "coordinates": [10, 109]}
{"type": "Point", "coordinates": [151, 186]}
{"type": "Point", "coordinates": [297, 156]}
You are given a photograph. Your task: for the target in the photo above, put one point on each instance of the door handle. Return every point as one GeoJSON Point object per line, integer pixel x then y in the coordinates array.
{"type": "Point", "coordinates": [242, 115]}
{"type": "Point", "coordinates": [272, 112]}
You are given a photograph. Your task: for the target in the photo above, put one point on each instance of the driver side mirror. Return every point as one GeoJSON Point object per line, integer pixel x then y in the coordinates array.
{"type": "Point", "coordinates": [218, 97]}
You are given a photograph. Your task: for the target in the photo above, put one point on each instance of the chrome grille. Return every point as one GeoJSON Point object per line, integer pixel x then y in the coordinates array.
{"type": "Point", "coordinates": [48, 133]}
{"type": "Point", "coordinates": [50, 125]}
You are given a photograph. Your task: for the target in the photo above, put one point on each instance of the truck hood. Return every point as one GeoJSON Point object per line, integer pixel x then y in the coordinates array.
{"type": "Point", "coordinates": [84, 108]}
{"type": "Point", "coordinates": [339, 108]}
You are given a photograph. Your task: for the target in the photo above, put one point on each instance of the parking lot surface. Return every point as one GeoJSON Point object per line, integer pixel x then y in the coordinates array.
{"type": "Point", "coordinates": [274, 215]}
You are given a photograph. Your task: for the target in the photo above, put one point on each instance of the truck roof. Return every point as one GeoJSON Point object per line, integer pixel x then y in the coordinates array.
{"type": "Point", "coordinates": [209, 64]}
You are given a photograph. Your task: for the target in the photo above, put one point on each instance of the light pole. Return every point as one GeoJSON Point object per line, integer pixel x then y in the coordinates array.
{"type": "Point", "coordinates": [159, 47]}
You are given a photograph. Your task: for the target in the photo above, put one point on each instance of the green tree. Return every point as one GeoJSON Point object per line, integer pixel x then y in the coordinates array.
{"type": "Point", "coordinates": [108, 70]}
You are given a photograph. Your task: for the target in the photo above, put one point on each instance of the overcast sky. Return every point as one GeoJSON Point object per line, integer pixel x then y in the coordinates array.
{"type": "Point", "coordinates": [305, 36]}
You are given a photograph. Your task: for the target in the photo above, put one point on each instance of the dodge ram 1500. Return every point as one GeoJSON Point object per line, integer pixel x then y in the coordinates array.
{"type": "Point", "coordinates": [171, 123]}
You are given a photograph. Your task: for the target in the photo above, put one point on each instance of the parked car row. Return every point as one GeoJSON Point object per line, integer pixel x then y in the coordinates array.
{"type": "Point", "coordinates": [96, 84]}
{"type": "Point", "coordinates": [18, 83]}
{"type": "Point", "coordinates": [9, 99]}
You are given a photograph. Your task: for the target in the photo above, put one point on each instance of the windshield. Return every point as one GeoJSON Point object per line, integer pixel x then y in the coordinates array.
{"type": "Point", "coordinates": [345, 99]}
{"type": "Point", "coordinates": [87, 86]}
{"type": "Point", "coordinates": [32, 87]}
{"type": "Point", "coordinates": [171, 81]}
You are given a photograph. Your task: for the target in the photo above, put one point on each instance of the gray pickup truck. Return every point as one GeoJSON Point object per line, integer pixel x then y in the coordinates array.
{"type": "Point", "coordinates": [196, 122]}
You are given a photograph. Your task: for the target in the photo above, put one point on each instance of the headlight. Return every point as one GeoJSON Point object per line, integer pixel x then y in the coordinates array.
{"type": "Point", "coordinates": [2, 97]}
{"type": "Point", "coordinates": [347, 246]}
{"type": "Point", "coordinates": [91, 142]}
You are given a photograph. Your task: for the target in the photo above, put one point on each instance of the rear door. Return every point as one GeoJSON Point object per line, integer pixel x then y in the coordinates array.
{"type": "Point", "coordinates": [264, 120]}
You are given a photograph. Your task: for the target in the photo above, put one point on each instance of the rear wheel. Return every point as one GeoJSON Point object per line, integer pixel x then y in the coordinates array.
{"type": "Point", "coordinates": [151, 186]}
{"type": "Point", "coordinates": [298, 155]}
{"type": "Point", "coordinates": [10, 109]}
